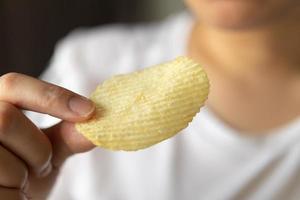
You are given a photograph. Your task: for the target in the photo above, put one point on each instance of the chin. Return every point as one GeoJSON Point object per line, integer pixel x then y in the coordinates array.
{"type": "Point", "coordinates": [240, 14]}
{"type": "Point", "coordinates": [234, 14]}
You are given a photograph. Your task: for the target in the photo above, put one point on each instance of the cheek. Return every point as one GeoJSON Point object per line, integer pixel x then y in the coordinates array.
{"type": "Point", "coordinates": [238, 14]}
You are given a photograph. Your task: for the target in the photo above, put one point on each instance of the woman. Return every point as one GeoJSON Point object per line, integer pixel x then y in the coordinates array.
{"type": "Point", "coordinates": [242, 145]}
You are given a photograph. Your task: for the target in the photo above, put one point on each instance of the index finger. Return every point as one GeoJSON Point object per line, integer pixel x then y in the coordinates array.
{"type": "Point", "coordinates": [39, 96]}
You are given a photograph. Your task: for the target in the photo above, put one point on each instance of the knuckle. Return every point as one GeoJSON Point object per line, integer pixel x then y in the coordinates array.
{"type": "Point", "coordinates": [8, 81]}
{"type": "Point", "coordinates": [7, 116]}
{"type": "Point", "coordinates": [52, 95]}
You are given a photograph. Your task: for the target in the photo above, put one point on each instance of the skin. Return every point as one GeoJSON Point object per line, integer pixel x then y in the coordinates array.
{"type": "Point", "coordinates": [252, 60]}
{"type": "Point", "coordinates": [250, 49]}
{"type": "Point", "coordinates": [32, 159]}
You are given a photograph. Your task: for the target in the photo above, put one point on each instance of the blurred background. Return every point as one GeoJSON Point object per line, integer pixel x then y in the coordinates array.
{"type": "Point", "coordinates": [30, 29]}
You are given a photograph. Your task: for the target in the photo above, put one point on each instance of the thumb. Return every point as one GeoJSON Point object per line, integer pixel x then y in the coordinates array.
{"type": "Point", "coordinates": [66, 141]}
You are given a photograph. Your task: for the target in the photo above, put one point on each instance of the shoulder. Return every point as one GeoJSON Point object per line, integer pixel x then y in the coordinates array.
{"type": "Point", "coordinates": [119, 46]}
{"type": "Point", "coordinates": [118, 36]}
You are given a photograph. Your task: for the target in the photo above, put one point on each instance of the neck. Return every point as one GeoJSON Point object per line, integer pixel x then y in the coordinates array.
{"type": "Point", "coordinates": [254, 74]}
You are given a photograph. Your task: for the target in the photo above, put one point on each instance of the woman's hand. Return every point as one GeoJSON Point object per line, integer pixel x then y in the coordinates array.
{"type": "Point", "coordinates": [30, 159]}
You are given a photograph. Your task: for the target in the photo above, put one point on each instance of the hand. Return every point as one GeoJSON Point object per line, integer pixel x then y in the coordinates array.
{"type": "Point", "coordinates": [29, 157]}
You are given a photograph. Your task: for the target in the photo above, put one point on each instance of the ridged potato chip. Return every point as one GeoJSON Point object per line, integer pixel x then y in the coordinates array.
{"type": "Point", "coordinates": [140, 109]}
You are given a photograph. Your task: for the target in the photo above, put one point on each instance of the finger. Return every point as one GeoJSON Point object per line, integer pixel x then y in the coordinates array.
{"type": "Point", "coordinates": [13, 172]}
{"type": "Point", "coordinates": [36, 95]}
{"type": "Point", "coordinates": [66, 141]}
{"type": "Point", "coordinates": [23, 138]}
{"type": "Point", "coordinates": [12, 194]}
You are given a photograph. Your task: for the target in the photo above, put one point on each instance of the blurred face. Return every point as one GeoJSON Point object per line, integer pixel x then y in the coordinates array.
{"type": "Point", "coordinates": [241, 14]}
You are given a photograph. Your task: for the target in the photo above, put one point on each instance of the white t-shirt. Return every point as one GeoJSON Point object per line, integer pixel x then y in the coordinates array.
{"type": "Point", "coordinates": [208, 160]}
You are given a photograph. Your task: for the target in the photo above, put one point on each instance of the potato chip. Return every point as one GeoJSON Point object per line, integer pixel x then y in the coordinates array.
{"type": "Point", "coordinates": [140, 109]}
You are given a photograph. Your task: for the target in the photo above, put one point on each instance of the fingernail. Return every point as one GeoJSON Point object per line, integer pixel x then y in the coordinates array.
{"type": "Point", "coordinates": [46, 171]}
{"type": "Point", "coordinates": [81, 106]}
{"type": "Point", "coordinates": [26, 187]}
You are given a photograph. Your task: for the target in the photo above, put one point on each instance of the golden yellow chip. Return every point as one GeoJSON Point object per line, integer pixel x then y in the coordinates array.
{"type": "Point", "coordinates": [138, 110]}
